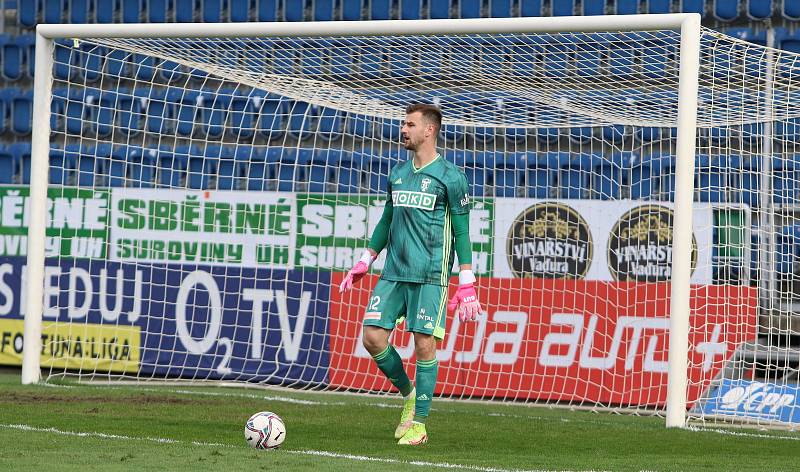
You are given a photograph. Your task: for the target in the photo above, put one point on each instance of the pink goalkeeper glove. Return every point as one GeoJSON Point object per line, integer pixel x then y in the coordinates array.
{"type": "Point", "coordinates": [357, 272]}
{"type": "Point", "coordinates": [465, 301]}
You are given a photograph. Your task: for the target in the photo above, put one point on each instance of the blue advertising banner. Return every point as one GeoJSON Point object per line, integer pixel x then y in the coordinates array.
{"type": "Point", "coordinates": [759, 400]}
{"type": "Point", "coordinates": [200, 322]}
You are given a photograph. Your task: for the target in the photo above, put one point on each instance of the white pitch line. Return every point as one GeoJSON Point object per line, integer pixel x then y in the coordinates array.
{"type": "Point", "coordinates": [305, 452]}
{"type": "Point", "coordinates": [701, 429]}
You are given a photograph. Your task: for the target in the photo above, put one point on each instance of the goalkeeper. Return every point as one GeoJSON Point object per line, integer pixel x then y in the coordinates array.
{"type": "Point", "coordinates": [428, 211]}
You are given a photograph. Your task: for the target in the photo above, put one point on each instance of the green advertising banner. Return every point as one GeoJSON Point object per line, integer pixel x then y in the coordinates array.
{"type": "Point", "coordinates": [77, 222]}
{"type": "Point", "coordinates": [333, 230]}
{"type": "Point", "coordinates": [251, 229]}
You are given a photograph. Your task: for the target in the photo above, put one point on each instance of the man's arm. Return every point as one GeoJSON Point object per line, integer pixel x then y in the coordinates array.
{"type": "Point", "coordinates": [465, 301]}
{"type": "Point", "coordinates": [378, 241]}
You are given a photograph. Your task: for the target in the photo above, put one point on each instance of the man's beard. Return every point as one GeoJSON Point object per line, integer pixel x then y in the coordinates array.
{"type": "Point", "coordinates": [409, 145]}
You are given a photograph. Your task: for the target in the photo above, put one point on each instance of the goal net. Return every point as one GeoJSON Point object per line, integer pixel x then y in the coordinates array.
{"type": "Point", "coordinates": [206, 196]}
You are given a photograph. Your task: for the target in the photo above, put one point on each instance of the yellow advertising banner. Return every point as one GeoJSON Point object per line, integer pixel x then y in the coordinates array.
{"type": "Point", "coordinates": [76, 346]}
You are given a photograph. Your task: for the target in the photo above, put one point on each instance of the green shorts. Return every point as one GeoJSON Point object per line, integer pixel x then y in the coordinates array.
{"type": "Point", "coordinates": [424, 306]}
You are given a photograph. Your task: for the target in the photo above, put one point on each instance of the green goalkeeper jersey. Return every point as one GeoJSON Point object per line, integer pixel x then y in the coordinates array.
{"type": "Point", "coordinates": [420, 247]}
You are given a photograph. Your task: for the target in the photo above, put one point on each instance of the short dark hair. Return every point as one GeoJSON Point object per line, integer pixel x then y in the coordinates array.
{"type": "Point", "coordinates": [431, 113]}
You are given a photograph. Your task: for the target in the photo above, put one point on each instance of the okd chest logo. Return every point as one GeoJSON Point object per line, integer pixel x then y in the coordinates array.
{"type": "Point", "coordinates": [405, 198]}
{"type": "Point", "coordinates": [549, 240]}
{"type": "Point", "coordinates": [640, 245]}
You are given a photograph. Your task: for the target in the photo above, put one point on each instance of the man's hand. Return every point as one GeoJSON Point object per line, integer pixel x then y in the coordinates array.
{"type": "Point", "coordinates": [465, 301]}
{"type": "Point", "coordinates": [357, 272]}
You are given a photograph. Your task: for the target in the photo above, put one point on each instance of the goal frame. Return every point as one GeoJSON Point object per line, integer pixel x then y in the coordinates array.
{"type": "Point", "coordinates": [689, 63]}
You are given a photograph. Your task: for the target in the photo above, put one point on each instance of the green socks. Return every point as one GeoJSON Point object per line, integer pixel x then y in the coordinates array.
{"type": "Point", "coordinates": [426, 381]}
{"type": "Point", "coordinates": [390, 363]}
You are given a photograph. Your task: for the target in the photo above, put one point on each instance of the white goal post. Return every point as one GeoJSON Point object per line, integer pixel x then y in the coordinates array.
{"type": "Point", "coordinates": [170, 42]}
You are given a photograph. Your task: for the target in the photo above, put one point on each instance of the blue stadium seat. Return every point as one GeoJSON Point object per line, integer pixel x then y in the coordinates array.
{"type": "Point", "coordinates": [726, 10]}
{"type": "Point", "coordinates": [351, 10]}
{"type": "Point", "coordinates": [211, 11]}
{"type": "Point", "coordinates": [110, 172]}
{"type": "Point", "coordinates": [479, 168]}
{"type": "Point", "coordinates": [22, 113]}
{"type": "Point", "coordinates": [323, 10]}
{"type": "Point", "coordinates": [574, 175]}
{"type": "Point", "coordinates": [143, 164]}
{"type": "Point", "coordinates": [87, 167]}
{"type": "Point", "coordinates": [380, 9]}
{"type": "Point", "coordinates": [272, 116]}
{"type": "Point", "coordinates": [491, 111]}
{"type": "Point", "coordinates": [548, 115]}
{"type": "Point", "coordinates": [131, 10]}
{"type": "Point", "coordinates": [322, 170]}
{"type": "Point", "coordinates": [183, 10]}
{"type": "Point", "coordinates": [99, 107]}
{"type": "Point", "coordinates": [693, 6]}
{"type": "Point", "coordinates": [500, 8]}
{"type": "Point", "coordinates": [589, 56]}
{"type": "Point", "coordinates": [21, 153]}
{"type": "Point", "coordinates": [7, 166]}
{"type": "Point", "coordinates": [212, 112]}
{"type": "Point", "coordinates": [625, 7]}
{"type": "Point", "coordinates": [131, 115]}
{"type": "Point", "coordinates": [559, 58]}
{"type": "Point", "coordinates": [266, 10]}
{"type": "Point", "coordinates": [530, 8]}
{"type": "Point", "coordinates": [622, 56]}
{"type": "Point", "coordinates": [90, 57]}
{"type": "Point", "coordinates": [469, 8]}
{"type": "Point", "coordinates": [28, 44]}
{"type": "Point", "coordinates": [157, 11]}
{"type": "Point", "coordinates": [231, 167]}
{"type": "Point", "coordinates": [509, 174]}
{"type": "Point", "coordinates": [5, 101]}
{"type": "Point", "coordinates": [711, 178]}
{"type": "Point", "coordinates": [293, 10]}
{"type": "Point", "coordinates": [379, 167]}
{"type": "Point", "coordinates": [788, 130]}
{"type": "Point", "coordinates": [658, 6]}
{"type": "Point", "coordinates": [242, 116]}
{"type": "Point", "coordinates": [159, 118]}
{"type": "Point", "coordinates": [173, 167]}
{"type": "Point", "coordinates": [104, 11]}
{"type": "Point", "coordinates": [540, 173]}
{"type": "Point", "coordinates": [291, 164]}
{"type": "Point", "coordinates": [563, 8]}
{"type": "Point", "coordinates": [390, 129]}
{"type": "Point", "coordinates": [118, 63]}
{"type": "Point", "coordinates": [440, 9]}
{"type": "Point", "coordinates": [611, 174]}
{"type": "Point", "coordinates": [786, 179]}
{"type": "Point", "coordinates": [616, 134]}
{"type": "Point", "coordinates": [349, 173]}
{"type": "Point", "coordinates": [791, 10]}
{"type": "Point", "coordinates": [330, 123]}
{"type": "Point", "coordinates": [760, 9]}
{"type": "Point", "coordinates": [593, 7]}
{"type": "Point", "coordinates": [581, 134]}
{"type": "Point", "coordinates": [62, 167]}
{"type": "Point", "coordinates": [361, 126]}
{"type": "Point", "coordinates": [64, 58]}
{"type": "Point", "coordinates": [52, 10]}
{"type": "Point", "coordinates": [28, 13]}
{"type": "Point", "coordinates": [12, 57]}
{"type": "Point", "coordinates": [788, 250]}
{"type": "Point", "coordinates": [69, 104]}
{"type": "Point", "coordinates": [203, 165]}
{"type": "Point", "coordinates": [259, 174]}
{"type": "Point", "coordinates": [302, 120]}
{"type": "Point", "coordinates": [186, 110]}
{"type": "Point", "coordinates": [649, 175]}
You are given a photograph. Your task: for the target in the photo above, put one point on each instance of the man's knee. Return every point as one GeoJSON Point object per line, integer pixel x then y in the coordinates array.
{"type": "Point", "coordinates": [424, 346]}
{"type": "Point", "coordinates": [375, 339]}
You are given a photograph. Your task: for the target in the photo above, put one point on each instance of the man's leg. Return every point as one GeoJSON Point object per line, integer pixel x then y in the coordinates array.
{"type": "Point", "coordinates": [386, 305]}
{"type": "Point", "coordinates": [376, 341]}
{"type": "Point", "coordinates": [426, 321]}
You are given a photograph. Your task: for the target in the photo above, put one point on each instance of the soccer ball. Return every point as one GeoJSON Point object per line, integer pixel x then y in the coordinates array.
{"type": "Point", "coordinates": [264, 430]}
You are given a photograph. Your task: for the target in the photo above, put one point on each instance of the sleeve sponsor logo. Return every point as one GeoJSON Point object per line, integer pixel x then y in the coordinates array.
{"type": "Point", "coordinates": [549, 240]}
{"type": "Point", "coordinates": [640, 245]}
{"type": "Point", "coordinates": [420, 200]}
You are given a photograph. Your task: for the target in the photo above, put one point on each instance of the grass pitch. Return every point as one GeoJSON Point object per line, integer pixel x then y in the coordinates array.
{"type": "Point", "coordinates": [66, 426]}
